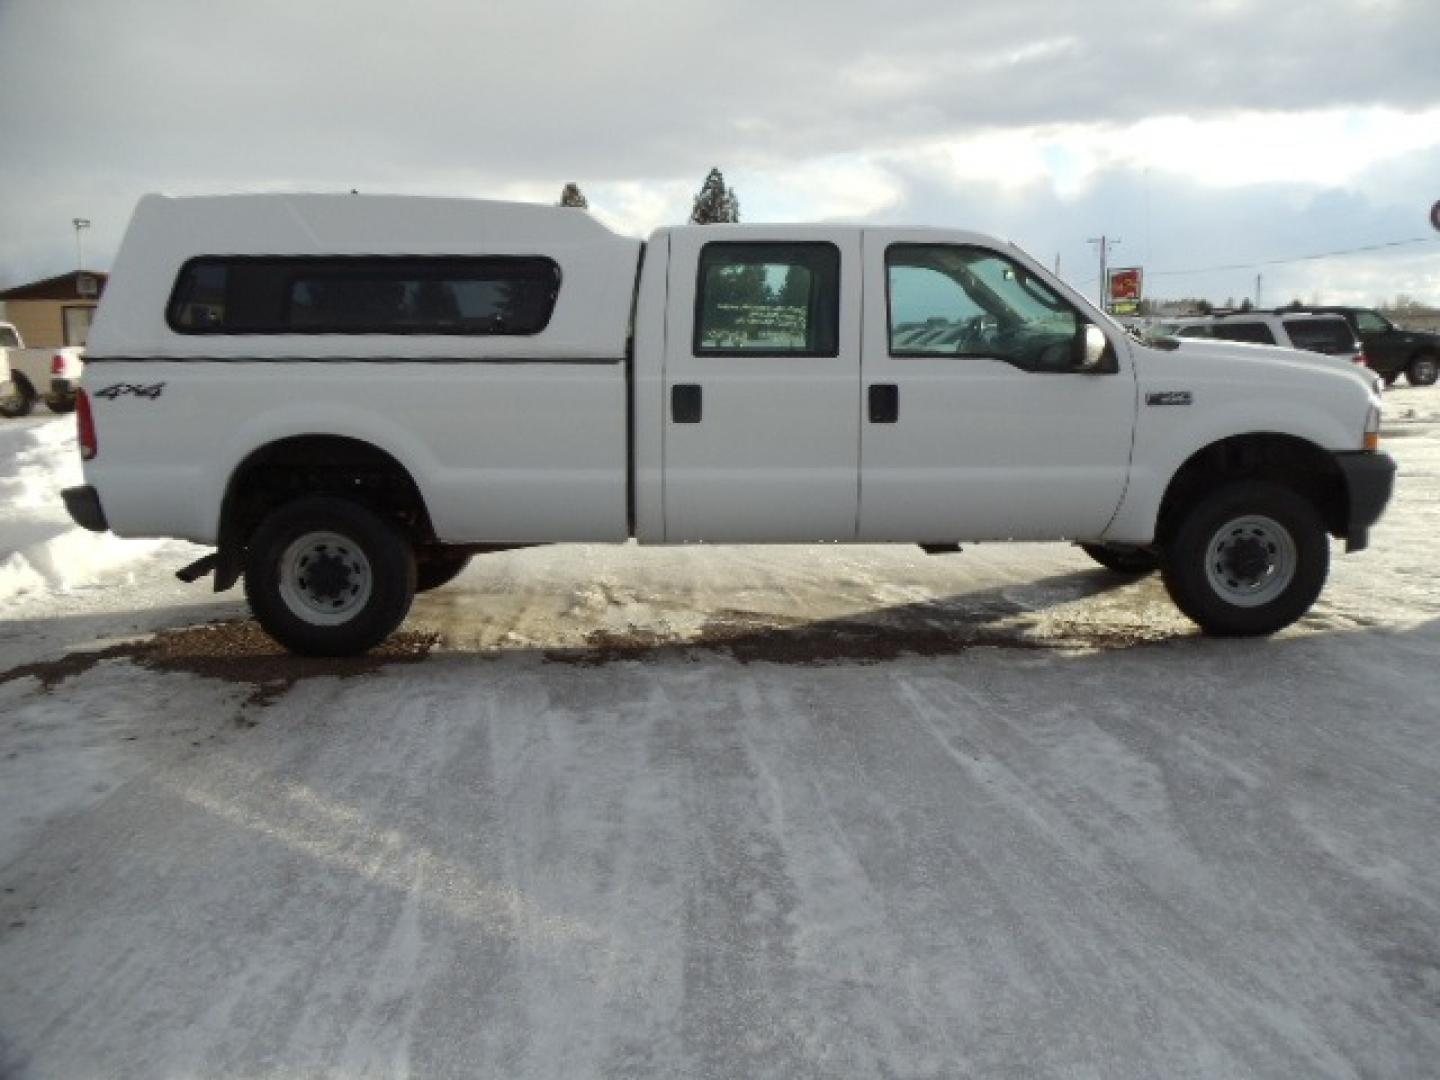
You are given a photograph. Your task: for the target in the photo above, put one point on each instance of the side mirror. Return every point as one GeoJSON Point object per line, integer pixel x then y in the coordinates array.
{"type": "Point", "coordinates": [1091, 349]}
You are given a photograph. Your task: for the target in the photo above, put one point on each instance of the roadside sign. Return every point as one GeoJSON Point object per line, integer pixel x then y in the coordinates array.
{"type": "Point", "coordinates": [1126, 290]}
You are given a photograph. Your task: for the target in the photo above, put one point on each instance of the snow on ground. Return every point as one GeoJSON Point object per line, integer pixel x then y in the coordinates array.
{"type": "Point", "coordinates": [750, 812]}
{"type": "Point", "coordinates": [43, 552]}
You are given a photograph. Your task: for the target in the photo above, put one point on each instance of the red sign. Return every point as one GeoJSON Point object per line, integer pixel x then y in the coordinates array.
{"type": "Point", "coordinates": [1125, 284]}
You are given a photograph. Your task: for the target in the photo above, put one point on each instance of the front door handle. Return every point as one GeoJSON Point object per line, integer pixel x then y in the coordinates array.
{"type": "Point", "coordinates": [884, 403]}
{"type": "Point", "coordinates": [686, 404]}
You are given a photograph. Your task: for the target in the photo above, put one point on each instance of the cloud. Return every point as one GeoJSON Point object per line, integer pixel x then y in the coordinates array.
{"type": "Point", "coordinates": [820, 110]}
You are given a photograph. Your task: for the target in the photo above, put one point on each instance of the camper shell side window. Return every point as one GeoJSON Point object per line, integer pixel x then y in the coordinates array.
{"type": "Point", "coordinates": [364, 294]}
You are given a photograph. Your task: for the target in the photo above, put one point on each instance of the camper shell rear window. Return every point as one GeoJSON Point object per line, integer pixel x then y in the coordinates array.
{"type": "Point", "coordinates": [364, 294]}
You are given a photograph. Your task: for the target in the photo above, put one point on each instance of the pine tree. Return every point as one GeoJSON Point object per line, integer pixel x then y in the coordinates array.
{"type": "Point", "coordinates": [795, 292]}
{"type": "Point", "coordinates": [573, 196]}
{"type": "Point", "coordinates": [716, 204]}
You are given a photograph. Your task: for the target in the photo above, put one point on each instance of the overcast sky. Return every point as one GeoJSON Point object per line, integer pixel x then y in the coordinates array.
{"type": "Point", "coordinates": [1203, 134]}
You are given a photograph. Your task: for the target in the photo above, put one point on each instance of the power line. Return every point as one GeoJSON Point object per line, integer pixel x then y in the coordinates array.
{"type": "Point", "coordinates": [1389, 244]}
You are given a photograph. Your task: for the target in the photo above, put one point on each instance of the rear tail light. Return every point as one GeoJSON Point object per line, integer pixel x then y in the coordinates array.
{"type": "Point", "coordinates": [1362, 359]}
{"type": "Point", "coordinates": [57, 364]}
{"type": "Point", "coordinates": [88, 445]}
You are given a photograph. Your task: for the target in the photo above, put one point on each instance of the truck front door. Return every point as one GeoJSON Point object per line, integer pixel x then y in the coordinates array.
{"type": "Point", "coordinates": [979, 425]}
{"type": "Point", "coordinates": [762, 377]}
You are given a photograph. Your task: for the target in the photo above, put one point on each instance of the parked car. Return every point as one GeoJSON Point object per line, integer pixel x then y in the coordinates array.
{"type": "Point", "coordinates": [51, 375]}
{"type": "Point", "coordinates": [7, 385]}
{"type": "Point", "coordinates": [349, 396]}
{"type": "Point", "coordinates": [1392, 351]}
{"type": "Point", "coordinates": [1323, 334]}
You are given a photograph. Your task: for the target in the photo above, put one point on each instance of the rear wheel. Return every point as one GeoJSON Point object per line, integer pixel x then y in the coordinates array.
{"type": "Point", "coordinates": [61, 403]}
{"type": "Point", "coordinates": [433, 570]}
{"type": "Point", "coordinates": [328, 577]}
{"type": "Point", "coordinates": [1123, 560]}
{"type": "Point", "coordinates": [1390, 377]}
{"type": "Point", "coordinates": [1248, 559]}
{"type": "Point", "coordinates": [17, 397]}
{"type": "Point", "coordinates": [1423, 371]}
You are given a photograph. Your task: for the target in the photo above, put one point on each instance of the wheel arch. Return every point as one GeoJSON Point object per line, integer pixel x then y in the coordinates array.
{"type": "Point", "coordinates": [1290, 460]}
{"type": "Point", "coordinates": [291, 466]}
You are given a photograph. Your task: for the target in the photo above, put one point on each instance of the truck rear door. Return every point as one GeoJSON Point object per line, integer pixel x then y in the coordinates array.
{"type": "Point", "coordinates": [762, 384]}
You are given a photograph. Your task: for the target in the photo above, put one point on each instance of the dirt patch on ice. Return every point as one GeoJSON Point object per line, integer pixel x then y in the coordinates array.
{"type": "Point", "coordinates": [238, 652]}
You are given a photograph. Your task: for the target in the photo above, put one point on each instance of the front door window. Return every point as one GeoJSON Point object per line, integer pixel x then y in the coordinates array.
{"type": "Point", "coordinates": [960, 301]}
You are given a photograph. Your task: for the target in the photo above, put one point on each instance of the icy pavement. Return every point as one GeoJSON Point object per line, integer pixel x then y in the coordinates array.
{"type": "Point", "coordinates": [736, 813]}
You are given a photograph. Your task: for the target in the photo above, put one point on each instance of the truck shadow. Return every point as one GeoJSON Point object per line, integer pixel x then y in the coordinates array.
{"type": "Point", "coordinates": [1052, 613]}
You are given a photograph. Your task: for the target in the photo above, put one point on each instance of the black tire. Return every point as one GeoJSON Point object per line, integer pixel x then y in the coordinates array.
{"type": "Point", "coordinates": [1390, 378]}
{"type": "Point", "coordinates": [359, 554]}
{"type": "Point", "coordinates": [433, 570]}
{"type": "Point", "coordinates": [1201, 587]}
{"type": "Point", "coordinates": [1123, 560]}
{"type": "Point", "coordinates": [61, 405]}
{"type": "Point", "coordinates": [1423, 371]}
{"type": "Point", "coordinates": [20, 400]}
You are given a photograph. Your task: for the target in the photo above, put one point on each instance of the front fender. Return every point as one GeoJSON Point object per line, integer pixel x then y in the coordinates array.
{"type": "Point", "coordinates": [1168, 432]}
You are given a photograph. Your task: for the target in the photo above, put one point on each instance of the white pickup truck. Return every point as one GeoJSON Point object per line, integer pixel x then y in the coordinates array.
{"type": "Point", "coordinates": [348, 396]}
{"type": "Point", "coordinates": [51, 375]}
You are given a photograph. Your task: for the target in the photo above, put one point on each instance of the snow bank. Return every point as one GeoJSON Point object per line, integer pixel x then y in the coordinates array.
{"type": "Point", "coordinates": [42, 551]}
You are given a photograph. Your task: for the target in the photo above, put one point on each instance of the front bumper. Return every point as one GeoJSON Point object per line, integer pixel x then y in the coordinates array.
{"type": "Point", "coordinates": [83, 503]}
{"type": "Point", "coordinates": [1369, 481]}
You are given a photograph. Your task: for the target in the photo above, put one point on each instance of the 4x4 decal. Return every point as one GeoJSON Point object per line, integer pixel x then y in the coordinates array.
{"type": "Point", "coordinates": [1169, 397]}
{"type": "Point", "coordinates": [120, 389]}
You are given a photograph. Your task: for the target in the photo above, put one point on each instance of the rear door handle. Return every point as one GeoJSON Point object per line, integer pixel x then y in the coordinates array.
{"type": "Point", "coordinates": [686, 404]}
{"type": "Point", "coordinates": [884, 403]}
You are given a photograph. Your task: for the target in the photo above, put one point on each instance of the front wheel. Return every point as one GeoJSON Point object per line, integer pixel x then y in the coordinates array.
{"type": "Point", "coordinates": [328, 577]}
{"type": "Point", "coordinates": [1248, 559]}
{"type": "Point", "coordinates": [1122, 560]}
{"type": "Point", "coordinates": [1423, 371]}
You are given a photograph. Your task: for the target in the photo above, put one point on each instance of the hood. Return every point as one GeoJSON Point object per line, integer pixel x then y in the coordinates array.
{"type": "Point", "coordinates": [1271, 356]}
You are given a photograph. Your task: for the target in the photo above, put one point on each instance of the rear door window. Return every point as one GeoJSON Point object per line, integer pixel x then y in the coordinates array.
{"type": "Point", "coordinates": [1330, 336]}
{"type": "Point", "coordinates": [768, 299]}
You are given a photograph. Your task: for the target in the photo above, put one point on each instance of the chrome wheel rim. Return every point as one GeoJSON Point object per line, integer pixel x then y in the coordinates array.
{"type": "Point", "coordinates": [325, 578]}
{"type": "Point", "coordinates": [1251, 560]}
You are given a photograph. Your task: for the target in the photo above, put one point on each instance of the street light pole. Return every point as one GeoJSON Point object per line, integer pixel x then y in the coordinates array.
{"type": "Point", "coordinates": [79, 223]}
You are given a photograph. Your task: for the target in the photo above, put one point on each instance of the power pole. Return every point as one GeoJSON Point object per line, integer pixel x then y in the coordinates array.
{"type": "Point", "coordinates": [1258, 279]}
{"type": "Point", "coordinates": [1105, 243]}
{"type": "Point", "coordinates": [79, 223]}
{"type": "Point", "coordinates": [1057, 264]}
